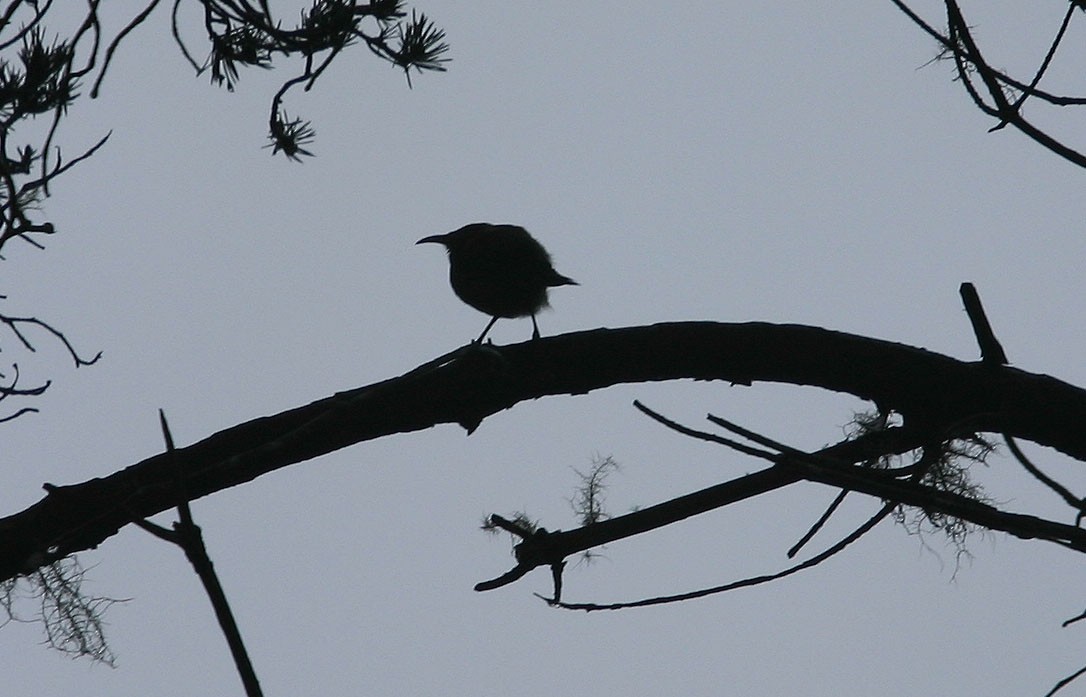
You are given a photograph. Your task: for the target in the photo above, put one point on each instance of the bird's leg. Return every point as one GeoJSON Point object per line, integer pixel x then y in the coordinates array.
{"type": "Point", "coordinates": [488, 326]}
{"type": "Point", "coordinates": [535, 328]}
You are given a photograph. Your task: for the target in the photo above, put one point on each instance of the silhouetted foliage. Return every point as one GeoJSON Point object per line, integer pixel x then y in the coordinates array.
{"type": "Point", "coordinates": [43, 69]}
{"type": "Point", "coordinates": [49, 51]}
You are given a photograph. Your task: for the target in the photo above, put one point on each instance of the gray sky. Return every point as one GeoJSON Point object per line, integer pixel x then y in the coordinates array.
{"type": "Point", "coordinates": [723, 161]}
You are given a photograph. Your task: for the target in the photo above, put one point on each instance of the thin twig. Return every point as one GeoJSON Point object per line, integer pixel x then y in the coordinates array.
{"type": "Point", "coordinates": [809, 535]}
{"type": "Point", "coordinates": [188, 536]}
{"type": "Point", "coordinates": [702, 435]}
{"type": "Point", "coordinates": [180, 42]}
{"type": "Point", "coordinates": [13, 323]}
{"type": "Point", "coordinates": [1076, 502]}
{"type": "Point", "coordinates": [136, 21]}
{"type": "Point", "coordinates": [744, 583]}
{"type": "Point", "coordinates": [1026, 93]}
{"type": "Point", "coordinates": [965, 52]}
{"type": "Point", "coordinates": [1066, 681]}
{"type": "Point", "coordinates": [930, 455]}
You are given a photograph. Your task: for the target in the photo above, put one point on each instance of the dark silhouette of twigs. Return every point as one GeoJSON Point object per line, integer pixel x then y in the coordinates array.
{"type": "Point", "coordinates": [188, 536]}
{"type": "Point", "coordinates": [992, 354]}
{"type": "Point", "coordinates": [959, 44]}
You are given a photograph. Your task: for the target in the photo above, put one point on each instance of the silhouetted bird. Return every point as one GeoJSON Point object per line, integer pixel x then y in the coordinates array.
{"type": "Point", "coordinates": [500, 270]}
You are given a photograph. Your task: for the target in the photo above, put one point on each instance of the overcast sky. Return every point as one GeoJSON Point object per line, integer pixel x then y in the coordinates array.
{"type": "Point", "coordinates": [792, 162]}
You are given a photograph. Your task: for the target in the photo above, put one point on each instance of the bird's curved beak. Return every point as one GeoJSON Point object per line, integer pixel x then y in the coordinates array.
{"type": "Point", "coordinates": [440, 239]}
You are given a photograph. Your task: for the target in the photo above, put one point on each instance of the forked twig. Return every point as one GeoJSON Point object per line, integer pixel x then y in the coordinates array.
{"type": "Point", "coordinates": [744, 583]}
{"type": "Point", "coordinates": [188, 536]}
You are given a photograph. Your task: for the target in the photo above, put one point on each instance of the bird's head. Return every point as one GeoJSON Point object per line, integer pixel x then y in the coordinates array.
{"type": "Point", "coordinates": [457, 238]}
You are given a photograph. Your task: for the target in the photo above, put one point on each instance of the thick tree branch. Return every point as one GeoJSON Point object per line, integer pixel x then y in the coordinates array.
{"type": "Point", "coordinates": [932, 391]}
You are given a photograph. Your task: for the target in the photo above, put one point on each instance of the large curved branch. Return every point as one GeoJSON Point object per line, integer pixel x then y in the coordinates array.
{"type": "Point", "coordinates": [931, 391]}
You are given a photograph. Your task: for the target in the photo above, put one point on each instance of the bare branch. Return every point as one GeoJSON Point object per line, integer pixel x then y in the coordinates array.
{"type": "Point", "coordinates": [818, 524]}
{"type": "Point", "coordinates": [14, 322]}
{"type": "Point", "coordinates": [188, 536]}
{"type": "Point", "coordinates": [959, 44]}
{"type": "Point", "coordinates": [991, 351]}
{"type": "Point", "coordinates": [1047, 61]}
{"type": "Point", "coordinates": [1066, 681]}
{"type": "Point", "coordinates": [1070, 499]}
{"type": "Point", "coordinates": [474, 384]}
{"type": "Point", "coordinates": [702, 435]}
{"type": "Point", "coordinates": [136, 21]}
{"type": "Point", "coordinates": [734, 585]}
